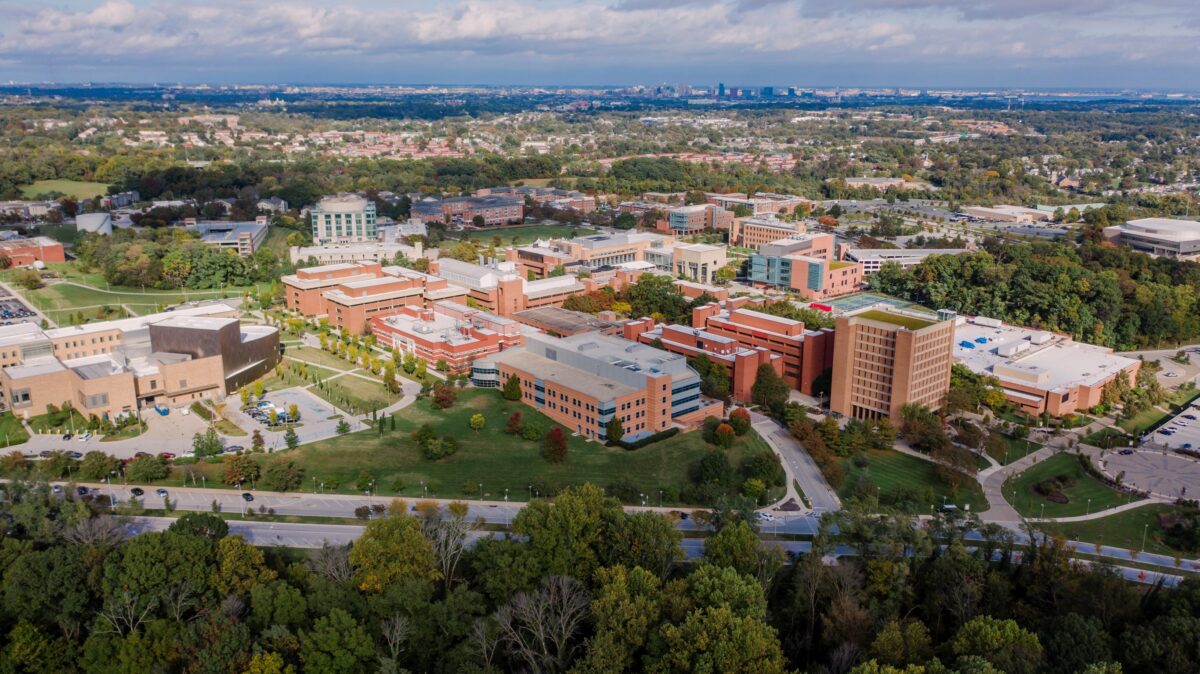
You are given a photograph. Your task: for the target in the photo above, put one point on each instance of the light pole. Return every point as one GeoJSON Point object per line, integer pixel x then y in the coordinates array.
{"type": "Point", "coordinates": [1089, 508]}
{"type": "Point", "coordinates": [1043, 511]}
{"type": "Point", "coordinates": [660, 498]}
{"type": "Point", "coordinates": [530, 492]}
{"type": "Point", "coordinates": [480, 491]}
{"type": "Point", "coordinates": [1144, 530]}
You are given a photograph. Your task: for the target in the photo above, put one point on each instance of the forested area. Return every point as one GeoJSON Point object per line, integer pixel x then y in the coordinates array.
{"type": "Point", "coordinates": [1096, 293]}
{"type": "Point", "coordinates": [172, 258]}
{"type": "Point", "coordinates": [586, 588]}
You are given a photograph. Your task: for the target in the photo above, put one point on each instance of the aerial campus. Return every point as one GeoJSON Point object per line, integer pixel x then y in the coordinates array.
{"type": "Point", "coordinates": [725, 369]}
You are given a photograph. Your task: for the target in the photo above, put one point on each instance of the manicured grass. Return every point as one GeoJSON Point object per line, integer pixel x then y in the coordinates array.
{"type": "Point", "coordinates": [318, 357]}
{"type": "Point", "coordinates": [76, 189]}
{"type": "Point", "coordinates": [894, 471]}
{"type": "Point", "coordinates": [64, 297]}
{"type": "Point", "coordinates": [492, 457]}
{"type": "Point", "coordinates": [1015, 449]}
{"type": "Point", "coordinates": [11, 430]}
{"type": "Point", "coordinates": [529, 233]}
{"type": "Point", "coordinates": [1029, 503]}
{"type": "Point", "coordinates": [1107, 438]}
{"type": "Point", "coordinates": [131, 431]}
{"type": "Point", "coordinates": [41, 423]}
{"type": "Point", "coordinates": [1144, 421]}
{"type": "Point", "coordinates": [909, 322]}
{"type": "Point", "coordinates": [355, 394]}
{"type": "Point", "coordinates": [1123, 530]}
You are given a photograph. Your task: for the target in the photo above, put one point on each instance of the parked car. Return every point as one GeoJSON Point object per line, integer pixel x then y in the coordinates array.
{"type": "Point", "coordinates": [75, 455]}
{"type": "Point", "coordinates": [234, 448]}
{"type": "Point", "coordinates": [137, 491]}
{"type": "Point", "coordinates": [82, 491]}
{"type": "Point", "coordinates": [45, 453]}
{"type": "Point", "coordinates": [66, 436]}
{"type": "Point", "coordinates": [247, 496]}
{"type": "Point", "coordinates": [57, 489]}
{"type": "Point", "coordinates": [166, 455]}
{"type": "Point", "coordinates": [84, 437]}
{"type": "Point", "coordinates": [161, 492]}
{"type": "Point", "coordinates": [138, 455]}
{"type": "Point", "coordinates": [1126, 452]}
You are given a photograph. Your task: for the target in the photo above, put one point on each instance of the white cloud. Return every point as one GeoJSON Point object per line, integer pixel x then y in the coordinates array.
{"type": "Point", "coordinates": [627, 34]}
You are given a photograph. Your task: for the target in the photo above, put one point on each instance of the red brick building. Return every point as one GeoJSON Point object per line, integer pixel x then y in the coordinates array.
{"type": "Point", "coordinates": [446, 331]}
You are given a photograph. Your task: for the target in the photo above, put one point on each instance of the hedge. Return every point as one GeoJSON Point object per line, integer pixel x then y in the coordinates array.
{"type": "Point", "coordinates": [649, 439]}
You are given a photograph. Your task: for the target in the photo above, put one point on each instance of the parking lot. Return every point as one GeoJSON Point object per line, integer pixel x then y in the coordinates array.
{"type": "Point", "coordinates": [315, 416]}
{"type": "Point", "coordinates": [14, 310]}
{"type": "Point", "coordinates": [1162, 473]}
{"type": "Point", "coordinates": [1181, 432]}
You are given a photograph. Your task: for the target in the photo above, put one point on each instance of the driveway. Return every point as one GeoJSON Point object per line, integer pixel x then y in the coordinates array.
{"type": "Point", "coordinates": [316, 417]}
{"type": "Point", "coordinates": [1161, 473]}
{"type": "Point", "coordinates": [172, 433]}
{"type": "Point", "coordinates": [800, 466]}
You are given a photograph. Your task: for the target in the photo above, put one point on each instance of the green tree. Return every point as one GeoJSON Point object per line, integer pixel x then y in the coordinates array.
{"type": "Point", "coordinates": [336, 644]}
{"type": "Point", "coordinates": [718, 640]}
{"type": "Point", "coordinates": [392, 549]}
{"type": "Point", "coordinates": [477, 422]}
{"type": "Point", "coordinates": [738, 547]}
{"type": "Point", "coordinates": [1001, 642]}
{"type": "Point", "coordinates": [512, 388]}
{"type": "Point", "coordinates": [146, 469]}
{"type": "Point", "coordinates": [206, 525]}
{"type": "Point", "coordinates": [282, 475]}
{"type": "Point", "coordinates": [98, 465]}
{"type": "Point", "coordinates": [239, 469]}
{"type": "Point", "coordinates": [239, 568]}
{"type": "Point", "coordinates": [291, 439]}
{"type": "Point", "coordinates": [614, 430]}
{"type": "Point", "coordinates": [769, 390]}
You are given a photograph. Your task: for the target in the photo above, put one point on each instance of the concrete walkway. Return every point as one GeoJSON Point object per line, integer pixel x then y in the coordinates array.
{"type": "Point", "coordinates": [1101, 513]}
{"type": "Point", "coordinates": [797, 463]}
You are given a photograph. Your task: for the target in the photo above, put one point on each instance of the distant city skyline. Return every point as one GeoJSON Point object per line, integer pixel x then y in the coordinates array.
{"type": "Point", "coordinates": [868, 43]}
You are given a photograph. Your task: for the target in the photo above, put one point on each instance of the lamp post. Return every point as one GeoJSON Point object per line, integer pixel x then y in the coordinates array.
{"type": "Point", "coordinates": [1145, 529]}
{"type": "Point", "coordinates": [1089, 508]}
{"type": "Point", "coordinates": [1043, 511]}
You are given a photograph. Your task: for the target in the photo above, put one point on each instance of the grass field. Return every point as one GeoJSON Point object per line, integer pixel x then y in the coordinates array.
{"type": "Point", "coordinates": [11, 430]}
{"type": "Point", "coordinates": [1144, 421]}
{"type": "Point", "coordinates": [355, 394]}
{"type": "Point", "coordinates": [60, 299]}
{"type": "Point", "coordinates": [76, 189]}
{"type": "Point", "coordinates": [1029, 503]}
{"type": "Point", "coordinates": [1108, 438]}
{"type": "Point", "coordinates": [497, 460]}
{"type": "Point", "coordinates": [894, 472]}
{"type": "Point", "coordinates": [317, 357]}
{"type": "Point", "coordinates": [529, 233]}
{"type": "Point", "coordinates": [1123, 530]}
{"type": "Point", "coordinates": [1015, 448]}
{"type": "Point", "coordinates": [76, 423]}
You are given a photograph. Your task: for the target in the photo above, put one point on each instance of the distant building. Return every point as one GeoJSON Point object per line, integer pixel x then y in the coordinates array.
{"type": "Point", "coordinates": [1167, 237]}
{"type": "Point", "coordinates": [583, 382]}
{"type": "Point", "coordinates": [547, 196]}
{"type": "Point", "coordinates": [698, 262]}
{"type": "Point", "coordinates": [446, 331]}
{"type": "Point", "coordinates": [494, 210]}
{"type": "Point", "coordinates": [872, 259]}
{"type": "Point", "coordinates": [97, 223]}
{"type": "Point", "coordinates": [807, 266]}
{"type": "Point", "coordinates": [561, 322]}
{"type": "Point", "coordinates": [243, 238]}
{"type": "Point", "coordinates": [345, 218]}
{"type": "Point", "coordinates": [120, 199]}
{"type": "Point", "coordinates": [695, 219]}
{"type": "Point", "coordinates": [32, 252]}
{"type": "Point", "coordinates": [756, 231]}
{"type": "Point", "coordinates": [339, 253]}
{"type": "Point", "coordinates": [273, 205]}
{"type": "Point", "coordinates": [762, 203]}
{"type": "Point", "coordinates": [1005, 213]}
{"type": "Point", "coordinates": [884, 359]}
{"type": "Point", "coordinates": [741, 362]}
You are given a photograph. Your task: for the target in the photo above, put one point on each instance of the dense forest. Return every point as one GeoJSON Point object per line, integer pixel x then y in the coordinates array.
{"type": "Point", "coordinates": [581, 587]}
{"type": "Point", "coordinates": [1096, 293]}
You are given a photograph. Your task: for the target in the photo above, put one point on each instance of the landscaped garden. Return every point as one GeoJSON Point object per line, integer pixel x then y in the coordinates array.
{"type": "Point", "coordinates": [1061, 487]}
{"type": "Point", "coordinates": [488, 461]}
{"type": "Point", "coordinates": [11, 430]}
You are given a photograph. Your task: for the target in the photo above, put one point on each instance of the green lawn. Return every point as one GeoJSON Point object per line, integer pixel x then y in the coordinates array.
{"type": "Point", "coordinates": [76, 189]}
{"type": "Point", "coordinates": [496, 459]}
{"type": "Point", "coordinates": [1015, 448]}
{"type": "Point", "coordinates": [131, 431]}
{"type": "Point", "coordinates": [1123, 530]}
{"type": "Point", "coordinates": [75, 422]}
{"type": "Point", "coordinates": [11, 430]}
{"type": "Point", "coordinates": [529, 233]}
{"type": "Point", "coordinates": [894, 473]}
{"type": "Point", "coordinates": [355, 394]}
{"type": "Point", "coordinates": [1029, 503]}
{"type": "Point", "coordinates": [318, 357]}
{"type": "Point", "coordinates": [1144, 421]}
{"type": "Point", "coordinates": [1107, 438]}
{"type": "Point", "coordinates": [60, 299]}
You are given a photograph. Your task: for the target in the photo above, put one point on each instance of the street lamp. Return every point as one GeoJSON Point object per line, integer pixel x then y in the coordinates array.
{"type": "Point", "coordinates": [1043, 511]}
{"type": "Point", "coordinates": [1089, 508]}
{"type": "Point", "coordinates": [660, 498]}
{"type": "Point", "coordinates": [530, 492]}
{"type": "Point", "coordinates": [1144, 530]}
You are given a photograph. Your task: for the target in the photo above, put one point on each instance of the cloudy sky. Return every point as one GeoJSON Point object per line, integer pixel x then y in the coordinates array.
{"type": "Point", "coordinates": [1084, 43]}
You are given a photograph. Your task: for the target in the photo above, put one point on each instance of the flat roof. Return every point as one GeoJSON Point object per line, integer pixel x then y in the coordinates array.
{"type": "Point", "coordinates": [1057, 363]}
{"type": "Point", "coordinates": [564, 321]}
{"type": "Point", "coordinates": [903, 320]}
{"type": "Point", "coordinates": [1164, 228]}
{"type": "Point", "coordinates": [139, 322]}
{"type": "Point", "coordinates": [563, 375]}
{"type": "Point", "coordinates": [196, 322]}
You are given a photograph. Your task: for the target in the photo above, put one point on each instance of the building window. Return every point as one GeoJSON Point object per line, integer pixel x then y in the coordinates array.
{"type": "Point", "coordinates": [20, 398]}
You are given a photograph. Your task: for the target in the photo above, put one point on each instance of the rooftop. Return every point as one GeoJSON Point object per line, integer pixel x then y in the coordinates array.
{"type": "Point", "coordinates": [1165, 228]}
{"type": "Point", "coordinates": [1045, 360]}
{"type": "Point", "coordinates": [564, 321]}
{"type": "Point", "coordinates": [906, 321]}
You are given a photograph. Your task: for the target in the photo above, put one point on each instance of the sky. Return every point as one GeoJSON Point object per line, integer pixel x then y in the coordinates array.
{"type": "Point", "coordinates": [916, 43]}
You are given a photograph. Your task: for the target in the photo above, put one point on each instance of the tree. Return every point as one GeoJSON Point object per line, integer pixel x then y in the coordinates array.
{"type": "Point", "coordinates": [769, 390]}
{"type": "Point", "coordinates": [282, 475]}
{"type": "Point", "coordinates": [614, 430]}
{"type": "Point", "coordinates": [444, 396]}
{"type": "Point", "coordinates": [206, 444]}
{"type": "Point", "coordinates": [294, 412]}
{"type": "Point", "coordinates": [738, 547]}
{"type": "Point", "coordinates": [724, 435]}
{"type": "Point", "coordinates": [98, 465]}
{"type": "Point", "coordinates": [514, 425]}
{"type": "Point", "coordinates": [200, 524]}
{"type": "Point", "coordinates": [256, 440]}
{"type": "Point", "coordinates": [739, 419]}
{"type": "Point", "coordinates": [555, 448]}
{"type": "Point", "coordinates": [146, 469]}
{"type": "Point", "coordinates": [290, 437]}
{"type": "Point", "coordinates": [541, 629]}
{"type": "Point", "coordinates": [1001, 642]}
{"type": "Point", "coordinates": [336, 644]}
{"type": "Point", "coordinates": [240, 567]}
{"type": "Point", "coordinates": [477, 422]}
{"type": "Point", "coordinates": [512, 388]}
{"type": "Point", "coordinates": [244, 393]}
{"type": "Point", "coordinates": [900, 644]}
{"type": "Point", "coordinates": [392, 549]}
{"type": "Point", "coordinates": [239, 469]}
{"type": "Point", "coordinates": [718, 640]}
{"type": "Point", "coordinates": [343, 427]}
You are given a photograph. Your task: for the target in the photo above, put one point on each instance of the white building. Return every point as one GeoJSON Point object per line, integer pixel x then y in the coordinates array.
{"type": "Point", "coordinates": [345, 218]}
{"type": "Point", "coordinates": [1159, 236]}
{"type": "Point", "coordinates": [872, 259]}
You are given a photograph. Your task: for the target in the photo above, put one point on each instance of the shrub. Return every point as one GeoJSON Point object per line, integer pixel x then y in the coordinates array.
{"type": "Point", "coordinates": [725, 436]}
{"type": "Point", "coordinates": [556, 445]}
{"type": "Point", "coordinates": [649, 439]}
{"type": "Point", "coordinates": [283, 475]}
{"type": "Point", "coordinates": [739, 419]}
{"type": "Point", "coordinates": [531, 433]}
{"type": "Point", "coordinates": [444, 396]}
{"type": "Point", "coordinates": [515, 425]}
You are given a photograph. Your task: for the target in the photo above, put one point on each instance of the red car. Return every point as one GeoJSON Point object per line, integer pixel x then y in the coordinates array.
{"type": "Point", "coordinates": [166, 455]}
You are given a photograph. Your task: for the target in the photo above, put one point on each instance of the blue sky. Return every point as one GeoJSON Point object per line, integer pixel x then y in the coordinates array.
{"type": "Point", "coordinates": [1034, 43]}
